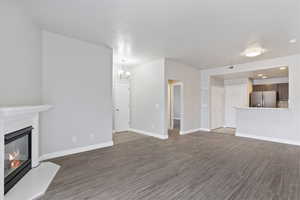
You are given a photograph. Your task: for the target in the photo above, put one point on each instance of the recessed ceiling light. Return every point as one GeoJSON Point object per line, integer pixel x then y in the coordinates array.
{"type": "Point", "coordinates": [293, 41]}
{"type": "Point", "coordinates": [264, 77]}
{"type": "Point", "coordinates": [283, 68]}
{"type": "Point", "coordinates": [260, 75]}
{"type": "Point", "coordinates": [253, 51]}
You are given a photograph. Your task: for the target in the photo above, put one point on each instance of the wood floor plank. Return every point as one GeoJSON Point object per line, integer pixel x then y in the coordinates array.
{"type": "Point", "coordinates": [198, 166]}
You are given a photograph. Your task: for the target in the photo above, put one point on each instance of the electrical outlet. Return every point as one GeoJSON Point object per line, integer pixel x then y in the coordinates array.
{"type": "Point", "coordinates": [153, 126]}
{"type": "Point", "coordinates": [74, 139]}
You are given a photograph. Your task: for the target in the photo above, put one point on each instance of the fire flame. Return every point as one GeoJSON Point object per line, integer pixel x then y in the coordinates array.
{"type": "Point", "coordinates": [14, 163]}
{"type": "Point", "coordinates": [12, 156]}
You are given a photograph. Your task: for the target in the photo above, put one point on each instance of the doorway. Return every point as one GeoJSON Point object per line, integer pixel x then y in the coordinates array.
{"type": "Point", "coordinates": [175, 117]}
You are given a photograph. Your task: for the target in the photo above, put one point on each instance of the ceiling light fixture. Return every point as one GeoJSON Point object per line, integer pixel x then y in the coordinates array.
{"type": "Point", "coordinates": [264, 77]}
{"type": "Point", "coordinates": [124, 74]}
{"type": "Point", "coordinates": [293, 41]}
{"type": "Point", "coordinates": [283, 68]}
{"type": "Point", "coordinates": [128, 73]}
{"type": "Point", "coordinates": [260, 75]}
{"type": "Point", "coordinates": [253, 51]}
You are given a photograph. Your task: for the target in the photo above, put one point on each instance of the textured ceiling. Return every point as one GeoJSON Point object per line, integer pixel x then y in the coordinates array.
{"type": "Point", "coordinates": [205, 33]}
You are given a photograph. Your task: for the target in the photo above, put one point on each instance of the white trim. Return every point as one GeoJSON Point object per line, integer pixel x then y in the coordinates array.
{"type": "Point", "coordinates": [119, 131]}
{"type": "Point", "coordinates": [227, 127]}
{"type": "Point", "coordinates": [22, 110]}
{"type": "Point", "coordinates": [270, 139]}
{"type": "Point", "coordinates": [75, 150]}
{"type": "Point", "coordinates": [179, 83]}
{"type": "Point", "coordinates": [171, 104]}
{"type": "Point", "coordinates": [205, 129]}
{"type": "Point", "coordinates": [193, 131]}
{"type": "Point", "coordinates": [163, 137]}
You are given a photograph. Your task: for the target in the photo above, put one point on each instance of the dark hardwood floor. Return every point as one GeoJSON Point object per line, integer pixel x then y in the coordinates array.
{"type": "Point", "coordinates": [198, 166]}
{"type": "Point", "coordinates": [126, 136]}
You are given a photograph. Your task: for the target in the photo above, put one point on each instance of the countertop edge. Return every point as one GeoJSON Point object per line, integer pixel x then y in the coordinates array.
{"type": "Point", "coordinates": [260, 108]}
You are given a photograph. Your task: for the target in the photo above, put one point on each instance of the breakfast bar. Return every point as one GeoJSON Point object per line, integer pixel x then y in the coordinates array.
{"type": "Point", "coordinates": [271, 124]}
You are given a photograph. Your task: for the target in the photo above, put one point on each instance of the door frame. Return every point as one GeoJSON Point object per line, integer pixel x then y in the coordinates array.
{"type": "Point", "coordinates": [171, 114]}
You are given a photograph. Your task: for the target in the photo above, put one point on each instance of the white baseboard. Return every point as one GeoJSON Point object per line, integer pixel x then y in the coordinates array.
{"type": "Point", "coordinates": [204, 129]}
{"type": "Point", "coordinates": [121, 131]}
{"type": "Point", "coordinates": [193, 131]}
{"type": "Point", "coordinates": [177, 118]}
{"type": "Point", "coordinates": [75, 150]}
{"type": "Point", "coordinates": [163, 137]}
{"type": "Point", "coordinates": [228, 127]}
{"type": "Point", "coordinates": [270, 139]}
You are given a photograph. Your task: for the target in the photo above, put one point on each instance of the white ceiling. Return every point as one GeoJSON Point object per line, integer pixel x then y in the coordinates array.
{"type": "Point", "coordinates": [202, 33]}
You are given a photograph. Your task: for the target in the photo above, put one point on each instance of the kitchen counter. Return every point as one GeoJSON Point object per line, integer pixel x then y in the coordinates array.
{"type": "Point", "coordinates": [260, 108]}
{"type": "Point", "coordinates": [272, 124]}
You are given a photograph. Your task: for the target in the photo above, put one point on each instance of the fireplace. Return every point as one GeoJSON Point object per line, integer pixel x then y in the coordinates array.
{"type": "Point", "coordinates": [17, 161]}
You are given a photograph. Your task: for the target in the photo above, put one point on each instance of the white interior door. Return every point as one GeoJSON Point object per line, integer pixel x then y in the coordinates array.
{"type": "Point", "coordinates": [122, 107]}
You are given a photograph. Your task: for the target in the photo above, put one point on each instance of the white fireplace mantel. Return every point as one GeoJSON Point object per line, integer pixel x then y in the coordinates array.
{"type": "Point", "coordinates": [7, 112]}
{"type": "Point", "coordinates": [13, 119]}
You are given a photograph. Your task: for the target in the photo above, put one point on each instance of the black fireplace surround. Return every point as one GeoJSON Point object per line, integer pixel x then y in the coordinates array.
{"type": "Point", "coordinates": [17, 156]}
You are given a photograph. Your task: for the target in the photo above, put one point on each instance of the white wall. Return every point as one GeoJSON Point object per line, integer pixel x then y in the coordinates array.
{"type": "Point", "coordinates": [20, 63]}
{"type": "Point", "coordinates": [236, 95]}
{"type": "Point", "coordinates": [205, 77]}
{"type": "Point", "coordinates": [147, 98]}
{"type": "Point", "coordinates": [176, 102]}
{"type": "Point", "coordinates": [189, 76]}
{"type": "Point", "coordinates": [281, 125]}
{"type": "Point", "coordinates": [77, 81]}
{"type": "Point", "coordinates": [277, 124]}
{"type": "Point", "coordinates": [217, 93]}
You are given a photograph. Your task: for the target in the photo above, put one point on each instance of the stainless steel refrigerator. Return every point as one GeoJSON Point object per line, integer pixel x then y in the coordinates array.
{"type": "Point", "coordinates": [267, 99]}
